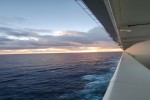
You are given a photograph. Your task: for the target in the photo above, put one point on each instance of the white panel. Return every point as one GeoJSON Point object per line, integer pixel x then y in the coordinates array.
{"type": "Point", "coordinates": [141, 52]}
{"type": "Point", "coordinates": [130, 81]}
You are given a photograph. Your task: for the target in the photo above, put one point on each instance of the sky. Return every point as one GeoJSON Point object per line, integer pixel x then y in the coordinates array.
{"type": "Point", "coordinates": [49, 26]}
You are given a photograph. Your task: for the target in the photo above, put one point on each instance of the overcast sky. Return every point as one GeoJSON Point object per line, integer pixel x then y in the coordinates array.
{"type": "Point", "coordinates": [49, 26]}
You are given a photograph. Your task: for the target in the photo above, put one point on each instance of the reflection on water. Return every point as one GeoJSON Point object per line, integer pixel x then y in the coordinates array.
{"type": "Point", "coordinates": [56, 76]}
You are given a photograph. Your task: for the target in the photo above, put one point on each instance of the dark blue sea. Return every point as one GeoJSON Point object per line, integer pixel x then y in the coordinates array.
{"type": "Point", "coordinates": [77, 76]}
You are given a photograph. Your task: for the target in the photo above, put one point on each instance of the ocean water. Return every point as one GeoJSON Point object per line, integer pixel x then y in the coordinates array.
{"type": "Point", "coordinates": [83, 76]}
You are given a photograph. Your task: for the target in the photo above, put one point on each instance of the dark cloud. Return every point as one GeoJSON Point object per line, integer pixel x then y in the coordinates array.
{"type": "Point", "coordinates": [17, 32]}
{"type": "Point", "coordinates": [4, 39]}
{"type": "Point", "coordinates": [11, 38]}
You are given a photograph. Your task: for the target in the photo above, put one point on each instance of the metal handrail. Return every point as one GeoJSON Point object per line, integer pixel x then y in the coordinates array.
{"type": "Point", "coordinates": [87, 10]}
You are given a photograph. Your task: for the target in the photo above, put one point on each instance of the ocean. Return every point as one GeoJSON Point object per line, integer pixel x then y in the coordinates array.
{"type": "Point", "coordinates": [76, 76]}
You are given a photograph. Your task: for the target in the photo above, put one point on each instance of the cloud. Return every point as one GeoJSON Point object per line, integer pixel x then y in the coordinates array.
{"type": "Point", "coordinates": [16, 32]}
{"type": "Point", "coordinates": [11, 38]}
{"type": "Point", "coordinates": [8, 21]}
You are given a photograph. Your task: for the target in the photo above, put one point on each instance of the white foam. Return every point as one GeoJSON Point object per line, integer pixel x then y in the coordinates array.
{"type": "Point", "coordinates": [96, 83]}
{"type": "Point", "coordinates": [93, 85]}
{"type": "Point", "coordinates": [85, 91]}
{"type": "Point", "coordinates": [90, 77]}
{"type": "Point", "coordinates": [102, 78]}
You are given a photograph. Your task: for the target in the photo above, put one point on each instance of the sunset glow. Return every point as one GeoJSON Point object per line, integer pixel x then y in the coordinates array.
{"type": "Point", "coordinates": [54, 50]}
{"type": "Point", "coordinates": [49, 31]}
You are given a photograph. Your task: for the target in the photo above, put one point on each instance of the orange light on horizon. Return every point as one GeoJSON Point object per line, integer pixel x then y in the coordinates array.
{"type": "Point", "coordinates": [59, 50]}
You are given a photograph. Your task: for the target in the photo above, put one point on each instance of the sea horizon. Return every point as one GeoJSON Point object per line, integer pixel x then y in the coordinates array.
{"type": "Point", "coordinates": [62, 53]}
{"type": "Point", "coordinates": [71, 76]}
